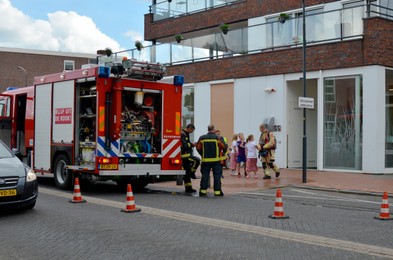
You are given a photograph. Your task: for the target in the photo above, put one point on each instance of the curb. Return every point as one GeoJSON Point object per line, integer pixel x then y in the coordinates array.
{"type": "Point", "coordinates": [357, 192]}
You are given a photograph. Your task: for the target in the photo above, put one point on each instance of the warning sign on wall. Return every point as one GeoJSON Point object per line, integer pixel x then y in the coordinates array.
{"type": "Point", "coordinates": [63, 115]}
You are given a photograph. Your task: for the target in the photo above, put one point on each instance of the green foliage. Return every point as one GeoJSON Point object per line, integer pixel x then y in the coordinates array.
{"type": "Point", "coordinates": [138, 45]}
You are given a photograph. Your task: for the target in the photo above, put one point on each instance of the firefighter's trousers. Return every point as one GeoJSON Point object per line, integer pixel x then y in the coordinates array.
{"type": "Point", "coordinates": [190, 165]}
{"type": "Point", "coordinates": [217, 172]}
{"type": "Point", "coordinates": [269, 162]}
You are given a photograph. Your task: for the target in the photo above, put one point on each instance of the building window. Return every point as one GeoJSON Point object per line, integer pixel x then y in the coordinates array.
{"type": "Point", "coordinates": [352, 19]}
{"type": "Point", "coordinates": [188, 108]}
{"type": "Point", "coordinates": [389, 119]}
{"type": "Point", "coordinates": [69, 65]}
{"type": "Point", "coordinates": [386, 8]}
{"type": "Point", "coordinates": [343, 123]}
{"type": "Point", "coordinates": [92, 61]}
{"type": "Point", "coordinates": [278, 34]}
{"type": "Point", "coordinates": [5, 106]}
{"type": "Point", "coordinates": [314, 23]}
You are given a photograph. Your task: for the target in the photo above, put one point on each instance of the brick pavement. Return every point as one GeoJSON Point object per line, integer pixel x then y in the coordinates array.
{"type": "Point", "coordinates": [56, 229]}
{"type": "Point", "coordinates": [339, 181]}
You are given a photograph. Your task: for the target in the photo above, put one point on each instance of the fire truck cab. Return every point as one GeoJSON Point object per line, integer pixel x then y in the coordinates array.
{"type": "Point", "coordinates": [101, 123]}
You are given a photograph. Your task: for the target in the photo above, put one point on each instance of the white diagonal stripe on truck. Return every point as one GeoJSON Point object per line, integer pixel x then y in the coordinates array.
{"type": "Point", "coordinates": [169, 147]}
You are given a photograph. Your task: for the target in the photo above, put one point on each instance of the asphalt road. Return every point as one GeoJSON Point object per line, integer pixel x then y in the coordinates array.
{"type": "Point", "coordinates": [322, 225]}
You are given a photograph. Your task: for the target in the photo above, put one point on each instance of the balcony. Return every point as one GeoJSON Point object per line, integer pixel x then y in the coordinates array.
{"type": "Point", "coordinates": [322, 28]}
{"type": "Point", "coordinates": [175, 8]}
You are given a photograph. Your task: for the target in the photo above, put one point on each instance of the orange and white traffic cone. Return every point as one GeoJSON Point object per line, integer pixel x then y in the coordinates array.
{"type": "Point", "coordinates": [130, 204]}
{"type": "Point", "coordinates": [384, 213]}
{"type": "Point", "coordinates": [278, 207]}
{"type": "Point", "coordinates": [77, 193]}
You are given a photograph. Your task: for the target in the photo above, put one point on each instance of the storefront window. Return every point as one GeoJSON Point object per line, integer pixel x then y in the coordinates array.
{"type": "Point", "coordinates": [188, 108]}
{"type": "Point", "coordinates": [389, 120]}
{"type": "Point", "coordinates": [343, 123]}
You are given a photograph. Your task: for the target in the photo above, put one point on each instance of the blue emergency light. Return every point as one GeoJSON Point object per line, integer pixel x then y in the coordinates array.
{"type": "Point", "coordinates": [178, 80]}
{"type": "Point", "coordinates": [11, 88]}
{"type": "Point", "coordinates": [104, 72]}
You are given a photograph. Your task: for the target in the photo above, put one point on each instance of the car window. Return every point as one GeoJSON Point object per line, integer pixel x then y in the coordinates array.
{"type": "Point", "coordinates": [4, 152]}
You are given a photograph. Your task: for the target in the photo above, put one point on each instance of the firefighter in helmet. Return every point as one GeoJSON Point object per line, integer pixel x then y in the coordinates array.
{"type": "Point", "coordinates": [190, 162]}
{"type": "Point", "coordinates": [210, 147]}
{"type": "Point", "coordinates": [267, 143]}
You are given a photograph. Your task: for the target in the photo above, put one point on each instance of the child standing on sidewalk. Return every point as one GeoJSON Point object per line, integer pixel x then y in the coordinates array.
{"type": "Point", "coordinates": [233, 154]}
{"type": "Point", "coordinates": [252, 154]}
{"type": "Point", "coordinates": [241, 155]}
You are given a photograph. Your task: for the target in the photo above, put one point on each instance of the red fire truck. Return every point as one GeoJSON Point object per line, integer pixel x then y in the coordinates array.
{"type": "Point", "coordinates": [113, 122]}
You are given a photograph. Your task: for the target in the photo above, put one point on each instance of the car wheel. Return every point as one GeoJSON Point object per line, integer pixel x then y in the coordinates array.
{"type": "Point", "coordinates": [63, 177]}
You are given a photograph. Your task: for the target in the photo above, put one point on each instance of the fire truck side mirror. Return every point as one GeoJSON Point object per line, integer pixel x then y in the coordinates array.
{"type": "Point", "coordinates": [178, 80]}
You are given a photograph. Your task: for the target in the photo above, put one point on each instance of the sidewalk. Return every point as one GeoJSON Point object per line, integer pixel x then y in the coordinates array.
{"type": "Point", "coordinates": [336, 181]}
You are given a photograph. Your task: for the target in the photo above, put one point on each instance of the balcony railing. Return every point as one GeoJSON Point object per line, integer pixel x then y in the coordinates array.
{"type": "Point", "coordinates": [175, 8]}
{"type": "Point", "coordinates": [322, 27]}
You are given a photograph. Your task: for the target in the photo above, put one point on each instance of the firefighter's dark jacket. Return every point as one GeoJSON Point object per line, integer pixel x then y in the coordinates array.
{"type": "Point", "coordinates": [186, 146]}
{"type": "Point", "coordinates": [209, 147]}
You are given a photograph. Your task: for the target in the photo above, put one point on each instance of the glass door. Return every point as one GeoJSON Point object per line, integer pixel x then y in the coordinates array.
{"type": "Point", "coordinates": [343, 123]}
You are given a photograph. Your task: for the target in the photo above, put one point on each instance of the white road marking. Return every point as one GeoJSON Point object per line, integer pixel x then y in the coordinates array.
{"type": "Point", "coordinates": [328, 197]}
{"type": "Point", "coordinates": [289, 196]}
{"type": "Point", "coordinates": [331, 196]}
{"type": "Point", "coordinates": [262, 231]}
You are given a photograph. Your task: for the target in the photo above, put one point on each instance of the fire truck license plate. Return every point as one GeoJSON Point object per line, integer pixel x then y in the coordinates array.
{"type": "Point", "coordinates": [7, 193]}
{"type": "Point", "coordinates": [107, 166]}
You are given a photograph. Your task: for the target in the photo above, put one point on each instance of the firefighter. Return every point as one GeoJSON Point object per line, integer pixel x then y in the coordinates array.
{"type": "Point", "coordinates": [190, 162]}
{"type": "Point", "coordinates": [210, 147]}
{"type": "Point", "coordinates": [267, 143]}
{"type": "Point", "coordinates": [223, 156]}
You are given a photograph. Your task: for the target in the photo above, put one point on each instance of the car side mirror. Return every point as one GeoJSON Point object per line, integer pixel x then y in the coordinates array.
{"type": "Point", "coordinates": [18, 154]}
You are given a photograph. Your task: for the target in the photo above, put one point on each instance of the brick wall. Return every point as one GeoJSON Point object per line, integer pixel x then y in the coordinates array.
{"type": "Point", "coordinates": [212, 18]}
{"type": "Point", "coordinates": [35, 65]}
{"type": "Point", "coordinates": [319, 57]}
{"type": "Point", "coordinates": [378, 42]}
{"type": "Point", "coordinates": [376, 48]}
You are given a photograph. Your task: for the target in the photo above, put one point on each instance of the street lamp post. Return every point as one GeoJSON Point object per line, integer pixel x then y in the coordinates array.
{"type": "Point", "coordinates": [304, 95]}
{"type": "Point", "coordinates": [21, 68]}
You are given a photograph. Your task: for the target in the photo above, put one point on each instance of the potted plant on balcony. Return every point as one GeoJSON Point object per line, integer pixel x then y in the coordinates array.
{"type": "Point", "coordinates": [283, 17]}
{"type": "Point", "coordinates": [224, 28]}
{"type": "Point", "coordinates": [101, 52]}
{"type": "Point", "coordinates": [108, 52]}
{"type": "Point", "coordinates": [179, 38]}
{"type": "Point", "coordinates": [138, 45]}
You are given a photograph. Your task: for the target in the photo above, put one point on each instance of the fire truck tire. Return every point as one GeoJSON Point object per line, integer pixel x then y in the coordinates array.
{"type": "Point", "coordinates": [63, 177]}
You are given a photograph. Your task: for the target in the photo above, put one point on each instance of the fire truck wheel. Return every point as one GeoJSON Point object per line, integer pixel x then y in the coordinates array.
{"type": "Point", "coordinates": [63, 178]}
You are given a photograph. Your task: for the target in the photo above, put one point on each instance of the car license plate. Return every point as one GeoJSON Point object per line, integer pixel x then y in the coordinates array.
{"type": "Point", "coordinates": [7, 193]}
{"type": "Point", "coordinates": [107, 166]}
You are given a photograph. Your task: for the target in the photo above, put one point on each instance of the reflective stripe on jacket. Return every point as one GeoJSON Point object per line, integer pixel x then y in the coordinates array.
{"type": "Point", "coordinates": [209, 147]}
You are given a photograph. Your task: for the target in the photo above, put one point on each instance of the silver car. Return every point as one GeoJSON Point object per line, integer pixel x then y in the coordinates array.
{"type": "Point", "coordinates": [18, 183]}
